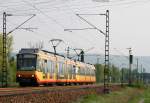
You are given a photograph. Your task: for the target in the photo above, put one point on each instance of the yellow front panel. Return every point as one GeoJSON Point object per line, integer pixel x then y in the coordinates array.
{"type": "Point", "coordinates": [39, 75]}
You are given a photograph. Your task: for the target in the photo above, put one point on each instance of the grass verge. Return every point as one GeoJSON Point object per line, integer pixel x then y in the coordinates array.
{"type": "Point", "coordinates": [146, 96]}
{"type": "Point", "coordinates": [126, 95]}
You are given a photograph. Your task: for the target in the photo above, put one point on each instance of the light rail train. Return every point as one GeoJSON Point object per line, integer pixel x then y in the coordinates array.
{"type": "Point", "coordinates": [39, 67]}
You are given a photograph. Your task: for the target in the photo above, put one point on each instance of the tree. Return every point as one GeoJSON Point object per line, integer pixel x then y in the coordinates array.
{"type": "Point", "coordinates": [126, 75]}
{"type": "Point", "coordinates": [11, 66]}
{"type": "Point", "coordinates": [115, 73]}
{"type": "Point", "coordinates": [99, 73]}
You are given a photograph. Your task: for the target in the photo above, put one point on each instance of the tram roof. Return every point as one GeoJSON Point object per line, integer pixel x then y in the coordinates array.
{"type": "Point", "coordinates": [36, 50]}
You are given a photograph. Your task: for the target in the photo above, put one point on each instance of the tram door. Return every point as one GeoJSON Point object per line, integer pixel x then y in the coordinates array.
{"type": "Point", "coordinates": [45, 69]}
{"type": "Point", "coordinates": [70, 71]}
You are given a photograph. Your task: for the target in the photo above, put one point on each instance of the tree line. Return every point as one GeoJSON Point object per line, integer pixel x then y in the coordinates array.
{"type": "Point", "coordinates": [117, 75]}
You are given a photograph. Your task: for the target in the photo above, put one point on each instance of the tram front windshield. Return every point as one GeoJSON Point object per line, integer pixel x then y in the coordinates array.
{"type": "Point", "coordinates": [26, 62]}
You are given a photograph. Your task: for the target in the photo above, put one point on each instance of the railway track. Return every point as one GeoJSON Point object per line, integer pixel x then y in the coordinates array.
{"type": "Point", "coordinates": [56, 94]}
{"type": "Point", "coordinates": [29, 90]}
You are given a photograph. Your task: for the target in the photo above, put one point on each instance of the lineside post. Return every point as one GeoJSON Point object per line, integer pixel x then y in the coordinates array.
{"type": "Point", "coordinates": [4, 59]}
{"type": "Point", "coordinates": [122, 76]}
{"type": "Point", "coordinates": [130, 66]}
{"type": "Point", "coordinates": [106, 67]}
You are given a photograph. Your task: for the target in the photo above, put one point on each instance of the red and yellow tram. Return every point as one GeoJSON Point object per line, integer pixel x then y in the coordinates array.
{"type": "Point", "coordinates": [40, 67]}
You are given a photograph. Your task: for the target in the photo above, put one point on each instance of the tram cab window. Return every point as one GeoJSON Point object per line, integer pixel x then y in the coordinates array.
{"type": "Point", "coordinates": [26, 61]}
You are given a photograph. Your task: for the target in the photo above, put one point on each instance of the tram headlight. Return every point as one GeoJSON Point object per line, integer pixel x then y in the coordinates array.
{"type": "Point", "coordinates": [32, 75]}
{"type": "Point", "coordinates": [19, 75]}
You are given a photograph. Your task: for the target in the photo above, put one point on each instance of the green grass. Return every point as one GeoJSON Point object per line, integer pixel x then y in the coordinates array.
{"type": "Point", "coordinates": [146, 96]}
{"type": "Point", "coordinates": [127, 95]}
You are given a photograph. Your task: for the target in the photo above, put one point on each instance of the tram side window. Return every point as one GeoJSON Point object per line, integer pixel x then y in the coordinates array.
{"type": "Point", "coordinates": [52, 67]}
{"type": "Point", "coordinates": [41, 65]}
{"type": "Point", "coordinates": [73, 69]}
{"type": "Point", "coordinates": [76, 70]}
{"type": "Point", "coordinates": [79, 71]}
{"type": "Point", "coordinates": [37, 65]}
{"type": "Point", "coordinates": [93, 72]}
{"type": "Point", "coordinates": [69, 68]}
{"type": "Point", "coordinates": [89, 71]}
{"type": "Point", "coordinates": [66, 68]}
{"type": "Point", "coordinates": [82, 71]}
{"type": "Point", "coordinates": [49, 66]}
{"type": "Point", "coordinates": [44, 63]}
{"type": "Point", "coordinates": [61, 68]}
{"type": "Point", "coordinates": [86, 71]}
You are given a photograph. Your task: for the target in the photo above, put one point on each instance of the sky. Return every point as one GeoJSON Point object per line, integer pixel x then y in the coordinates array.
{"type": "Point", "coordinates": [129, 24]}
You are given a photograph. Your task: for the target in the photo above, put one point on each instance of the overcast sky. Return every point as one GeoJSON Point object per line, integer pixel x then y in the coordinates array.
{"type": "Point", "coordinates": [129, 24]}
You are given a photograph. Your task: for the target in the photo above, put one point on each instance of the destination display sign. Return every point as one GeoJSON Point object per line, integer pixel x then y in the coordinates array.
{"type": "Point", "coordinates": [29, 56]}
